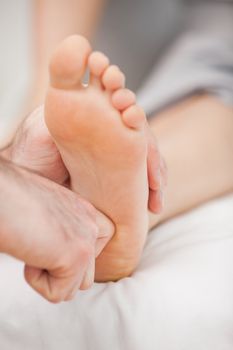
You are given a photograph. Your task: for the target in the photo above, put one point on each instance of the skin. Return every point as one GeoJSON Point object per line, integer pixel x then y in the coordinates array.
{"type": "Point", "coordinates": [34, 149]}
{"type": "Point", "coordinates": [55, 232]}
{"type": "Point", "coordinates": [101, 134]}
{"type": "Point", "coordinates": [50, 34]}
{"type": "Point", "coordinates": [196, 140]}
{"type": "Point", "coordinates": [82, 17]}
{"type": "Point", "coordinates": [174, 128]}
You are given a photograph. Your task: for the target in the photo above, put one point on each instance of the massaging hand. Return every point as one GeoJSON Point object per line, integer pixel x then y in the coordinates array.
{"type": "Point", "coordinates": [34, 149]}
{"type": "Point", "coordinates": [54, 231]}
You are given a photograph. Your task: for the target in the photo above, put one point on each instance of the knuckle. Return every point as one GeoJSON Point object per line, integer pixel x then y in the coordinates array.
{"type": "Point", "coordinates": [80, 252]}
{"type": "Point", "coordinates": [54, 298]}
{"type": "Point", "coordinates": [86, 285]}
{"type": "Point", "coordinates": [55, 291]}
{"type": "Point", "coordinates": [64, 263]}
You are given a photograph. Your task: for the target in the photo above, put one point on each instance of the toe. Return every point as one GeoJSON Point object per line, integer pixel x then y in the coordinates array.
{"type": "Point", "coordinates": [134, 117]}
{"type": "Point", "coordinates": [123, 98]}
{"type": "Point", "coordinates": [113, 78]}
{"type": "Point", "coordinates": [97, 64]}
{"type": "Point", "coordinates": [69, 62]}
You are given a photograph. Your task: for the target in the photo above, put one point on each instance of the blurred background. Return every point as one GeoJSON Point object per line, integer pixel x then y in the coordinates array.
{"type": "Point", "coordinates": [16, 68]}
{"type": "Point", "coordinates": [168, 49]}
{"type": "Point", "coordinates": [124, 30]}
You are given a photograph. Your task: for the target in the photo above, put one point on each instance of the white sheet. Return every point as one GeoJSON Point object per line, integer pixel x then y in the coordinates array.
{"type": "Point", "coordinates": [180, 297]}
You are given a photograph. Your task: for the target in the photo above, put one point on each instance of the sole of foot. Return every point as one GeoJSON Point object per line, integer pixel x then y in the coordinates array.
{"type": "Point", "coordinates": [100, 132]}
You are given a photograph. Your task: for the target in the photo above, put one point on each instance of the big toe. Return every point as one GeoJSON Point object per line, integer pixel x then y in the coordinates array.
{"type": "Point", "coordinates": [69, 61]}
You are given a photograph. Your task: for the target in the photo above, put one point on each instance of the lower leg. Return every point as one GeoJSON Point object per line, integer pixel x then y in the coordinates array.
{"type": "Point", "coordinates": [195, 138]}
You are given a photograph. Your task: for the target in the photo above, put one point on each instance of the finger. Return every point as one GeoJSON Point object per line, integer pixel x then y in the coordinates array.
{"type": "Point", "coordinates": [154, 175]}
{"type": "Point", "coordinates": [53, 289]}
{"type": "Point", "coordinates": [89, 276]}
{"type": "Point", "coordinates": [153, 165]}
{"type": "Point", "coordinates": [41, 282]}
{"type": "Point", "coordinates": [86, 283]}
{"type": "Point", "coordinates": [105, 233]}
{"type": "Point", "coordinates": [157, 169]}
{"type": "Point", "coordinates": [34, 148]}
{"type": "Point", "coordinates": [71, 296]}
{"type": "Point", "coordinates": [163, 169]}
{"type": "Point", "coordinates": [101, 244]}
{"type": "Point", "coordinates": [156, 201]}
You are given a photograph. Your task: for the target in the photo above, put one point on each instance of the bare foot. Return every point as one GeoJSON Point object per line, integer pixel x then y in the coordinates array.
{"type": "Point", "coordinates": [101, 134]}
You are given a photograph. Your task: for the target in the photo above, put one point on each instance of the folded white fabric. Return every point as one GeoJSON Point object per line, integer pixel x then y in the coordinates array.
{"type": "Point", "coordinates": [180, 297]}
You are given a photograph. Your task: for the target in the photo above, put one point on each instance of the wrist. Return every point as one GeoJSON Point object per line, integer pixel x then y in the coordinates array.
{"type": "Point", "coordinates": [14, 206]}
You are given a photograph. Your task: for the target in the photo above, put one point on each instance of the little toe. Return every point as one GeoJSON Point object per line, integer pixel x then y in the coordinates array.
{"type": "Point", "coordinates": [134, 117]}
{"type": "Point", "coordinates": [123, 98]}
{"type": "Point", "coordinates": [113, 78]}
{"type": "Point", "coordinates": [69, 62]}
{"type": "Point", "coordinates": [97, 64]}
